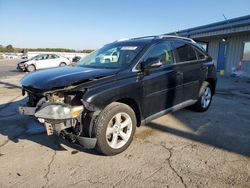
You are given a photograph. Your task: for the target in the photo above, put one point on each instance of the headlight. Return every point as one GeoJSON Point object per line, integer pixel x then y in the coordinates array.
{"type": "Point", "coordinates": [59, 112]}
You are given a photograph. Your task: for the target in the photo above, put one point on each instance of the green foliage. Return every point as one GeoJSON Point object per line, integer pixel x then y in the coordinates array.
{"type": "Point", "coordinates": [10, 48]}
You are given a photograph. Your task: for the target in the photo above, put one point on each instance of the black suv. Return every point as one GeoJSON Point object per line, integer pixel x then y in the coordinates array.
{"type": "Point", "coordinates": [99, 102]}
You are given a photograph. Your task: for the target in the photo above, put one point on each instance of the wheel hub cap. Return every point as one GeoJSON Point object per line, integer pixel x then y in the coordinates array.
{"type": "Point", "coordinates": [206, 97]}
{"type": "Point", "coordinates": [119, 130]}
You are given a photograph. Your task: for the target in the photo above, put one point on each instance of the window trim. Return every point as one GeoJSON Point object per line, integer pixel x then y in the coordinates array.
{"type": "Point", "coordinates": [197, 60]}
{"type": "Point", "coordinates": [192, 46]}
{"type": "Point", "coordinates": [243, 51]}
{"type": "Point", "coordinates": [42, 55]}
{"type": "Point", "coordinates": [197, 49]}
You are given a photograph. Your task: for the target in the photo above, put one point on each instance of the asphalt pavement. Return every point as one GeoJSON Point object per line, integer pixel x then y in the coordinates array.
{"type": "Point", "coordinates": [8, 68]}
{"type": "Point", "coordinates": [181, 149]}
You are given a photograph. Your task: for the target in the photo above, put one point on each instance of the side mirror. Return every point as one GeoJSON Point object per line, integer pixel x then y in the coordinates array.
{"type": "Point", "coordinates": [150, 63]}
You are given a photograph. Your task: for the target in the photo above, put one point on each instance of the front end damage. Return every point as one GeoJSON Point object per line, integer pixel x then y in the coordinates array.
{"type": "Point", "coordinates": [64, 114]}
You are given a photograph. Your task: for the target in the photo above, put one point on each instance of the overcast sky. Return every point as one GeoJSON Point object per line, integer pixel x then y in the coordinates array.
{"type": "Point", "coordinates": [80, 24]}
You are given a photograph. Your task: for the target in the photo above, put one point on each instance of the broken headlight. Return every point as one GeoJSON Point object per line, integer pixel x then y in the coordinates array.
{"type": "Point", "coordinates": [59, 112]}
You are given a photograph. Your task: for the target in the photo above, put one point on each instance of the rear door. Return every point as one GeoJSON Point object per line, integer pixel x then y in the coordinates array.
{"type": "Point", "coordinates": [162, 86]}
{"type": "Point", "coordinates": [188, 64]}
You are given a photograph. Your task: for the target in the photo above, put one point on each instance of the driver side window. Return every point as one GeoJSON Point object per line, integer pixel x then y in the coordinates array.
{"type": "Point", "coordinates": [163, 51]}
{"type": "Point", "coordinates": [41, 57]}
{"type": "Point", "coordinates": [46, 57]}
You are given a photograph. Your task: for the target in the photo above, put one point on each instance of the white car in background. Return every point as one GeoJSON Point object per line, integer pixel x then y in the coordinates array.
{"type": "Point", "coordinates": [10, 56]}
{"type": "Point", "coordinates": [43, 61]}
{"type": "Point", "coordinates": [110, 57]}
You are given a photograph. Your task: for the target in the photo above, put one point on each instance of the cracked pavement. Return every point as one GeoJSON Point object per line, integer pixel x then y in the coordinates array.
{"type": "Point", "coordinates": [182, 149]}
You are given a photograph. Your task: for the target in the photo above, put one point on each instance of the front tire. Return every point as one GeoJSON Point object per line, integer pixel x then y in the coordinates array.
{"type": "Point", "coordinates": [31, 68]}
{"type": "Point", "coordinates": [115, 128]}
{"type": "Point", "coordinates": [205, 98]}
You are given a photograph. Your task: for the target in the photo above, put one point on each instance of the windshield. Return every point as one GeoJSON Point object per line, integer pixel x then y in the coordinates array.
{"type": "Point", "coordinates": [113, 55]}
{"type": "Point", "coordinates": [35, 57]}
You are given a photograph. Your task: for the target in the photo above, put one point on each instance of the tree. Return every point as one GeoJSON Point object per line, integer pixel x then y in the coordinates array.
{"type": "Point", "coordinates": [9, 48]}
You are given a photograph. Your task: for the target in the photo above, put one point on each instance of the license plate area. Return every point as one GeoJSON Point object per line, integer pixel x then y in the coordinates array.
{"type": "Point", "coordinates": [49, 129]}
{"type": "Point", "coordinates": [24, 110]}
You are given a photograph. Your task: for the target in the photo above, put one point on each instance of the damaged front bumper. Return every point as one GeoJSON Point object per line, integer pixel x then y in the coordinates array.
{"type": "Point", "coordinates": [54, 125]}
{"type": "Point", "coordinates": [21, 66]}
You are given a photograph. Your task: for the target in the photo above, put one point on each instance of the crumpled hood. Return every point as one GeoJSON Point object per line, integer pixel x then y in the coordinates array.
{"type": "Point", "coordinates": [22, 61]}
{"type": "Point", "coordinates": [60, 77]}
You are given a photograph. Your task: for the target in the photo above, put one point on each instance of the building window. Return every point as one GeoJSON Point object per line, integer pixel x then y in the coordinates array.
{"type": "Point", "coordinates": [246, 52]}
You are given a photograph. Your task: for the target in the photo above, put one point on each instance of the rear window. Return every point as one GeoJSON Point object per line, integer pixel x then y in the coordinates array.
{"type": "Point", "coordinates": [184, 52]}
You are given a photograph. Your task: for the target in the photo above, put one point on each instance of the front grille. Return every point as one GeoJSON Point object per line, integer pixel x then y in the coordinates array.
{"type": "Point", "coordinates": [21, 66]}
{"type": "Point", "coordinates": [33, 97]}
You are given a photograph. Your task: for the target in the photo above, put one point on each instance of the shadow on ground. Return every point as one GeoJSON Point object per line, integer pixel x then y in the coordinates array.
{"type": "Point", "coordinates": [10, 85]}
{"type": "Point", "coordinates": [18, 127]}
{"type": "Point", "coordinates": [211, 128]}
{"type": "Point", "coordinates": [232, 137]}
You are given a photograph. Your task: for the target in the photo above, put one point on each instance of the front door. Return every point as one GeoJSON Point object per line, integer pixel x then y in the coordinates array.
{"type": "Point", "coordinates": [222, 56]}
{"type": "Point", "coordinates": [162, 86]}
{"type": "Point", "coordinates": [42, 62]}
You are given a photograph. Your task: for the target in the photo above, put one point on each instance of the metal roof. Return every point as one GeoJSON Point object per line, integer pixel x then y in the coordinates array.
{"type": "Point", "coordinates": [217, 26]}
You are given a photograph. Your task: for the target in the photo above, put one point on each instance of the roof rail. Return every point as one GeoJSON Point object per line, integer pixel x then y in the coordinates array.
{"type": "Point", "coordinates": [175, 36]}
{"type": "Point", "coordinates": [146, 37]}
{"type": "Point", "coordinates": [157, 37]}
{"type": "Point", "coordinates": [123, 39]}
{"type": "Point", "coordinates": [134, 38]}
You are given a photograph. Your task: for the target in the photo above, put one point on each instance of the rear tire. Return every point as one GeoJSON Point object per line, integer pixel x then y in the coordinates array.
{"type": "Point", "coordinates": [114, 128]}
{"type": "Point", "coordinates": [205, 98]}
{"type": "Point", "coordinates": [31, 68]}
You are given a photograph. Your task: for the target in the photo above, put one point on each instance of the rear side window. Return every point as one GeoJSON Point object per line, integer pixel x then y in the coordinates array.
{"type": "Point", "coordinates": [184, 52]}
{"type": "Point", "coordinates": [53, 56]}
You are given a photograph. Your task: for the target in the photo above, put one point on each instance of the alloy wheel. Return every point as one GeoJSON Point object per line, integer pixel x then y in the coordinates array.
{"type": "Point", "coordinates": [206, 97]}
{"type": "Point", "coordinates": [119, 130]}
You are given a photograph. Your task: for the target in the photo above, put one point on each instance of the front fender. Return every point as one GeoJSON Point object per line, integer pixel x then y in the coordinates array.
{"type": "Point", "coordinates": [102, 96]}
